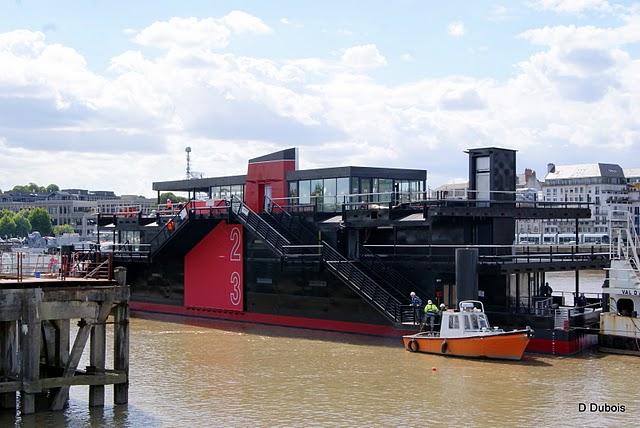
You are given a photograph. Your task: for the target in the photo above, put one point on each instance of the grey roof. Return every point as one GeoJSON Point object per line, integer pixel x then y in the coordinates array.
{"type": "Point", "coordinates": [585, 171]}
{"type": "Point", "coordinates": [358, 171]}
{"type": "Point", "coordinates": [198, 184]}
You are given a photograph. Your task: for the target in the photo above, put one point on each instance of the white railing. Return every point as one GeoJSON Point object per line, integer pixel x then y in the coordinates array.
{"type": "Point", "coordinates": [625, 243]}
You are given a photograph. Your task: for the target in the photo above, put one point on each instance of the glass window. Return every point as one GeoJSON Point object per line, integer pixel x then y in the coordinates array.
{"type": "Point", "coordinates": [355, 185]}
{"type": "Point", "coordinates": [474, 322]}
{"type": "Point", "coordinates": [225, 192]}
{"type": "Point", "coordinates": [385, 187]}
{"type": "Point", "coordinates": [342, 190]}
{"type": "Point", "coordinates": [329, 195]}
{"type": "Point", "coordinates": [454, 323]}
{"type": "Point", "coordinates": [293, 192]}
{"type": "Point", "coordinates": [374, 190]}
{"type": "Point", "coordinates": [365, 187]}
{"type": "Point", "coordinates": [317, 190]}
{"type": "Point", "coordinates": [237, 191]}
{"type": "Point", "coordinates": [403, 188]}
{"type": "Point", "coordinates": [482, 163]}
{"type": "Point", "coordinates": [467, 325]}
{"type": "Point", "coordinates": [215, 192]}
{"type": "Point", "coordinates": [304, 187]}
{"type": "Point", "coordinates": [482, 320]}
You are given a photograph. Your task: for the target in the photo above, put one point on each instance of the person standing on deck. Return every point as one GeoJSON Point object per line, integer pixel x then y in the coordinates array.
{"type": "Point", "coordinates": [546, 290]}
{"type": "Point", "coordinates": [416, 302]}
{"type": "Point", "coordinates": [431, 311]}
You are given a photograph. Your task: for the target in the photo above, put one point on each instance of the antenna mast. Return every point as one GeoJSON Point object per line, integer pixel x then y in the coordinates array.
{"type": "Point", "coordinates": [188, 150]}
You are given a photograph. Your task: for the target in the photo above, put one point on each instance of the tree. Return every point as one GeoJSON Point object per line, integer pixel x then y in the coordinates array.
{"type": "Point", "coordinates": [23, 225]}
{"type": "Point", "coordinates": [170, 195]}
{"type": "Point", "coordinates": [7, 226]}
{"type": "Point", "coordinates": [34, 188]}
{"type": "Point", "coordinates": [40, 221]}
{"type": "Point", "coordinates": [62, 228]}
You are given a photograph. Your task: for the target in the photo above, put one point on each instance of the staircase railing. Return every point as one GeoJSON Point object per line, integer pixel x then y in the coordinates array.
{"type": "Point", "coordinates": [169, 229]}
{"type": "Point", "coordinates": [376, 295]}
{"type": "Point", "coordinates": [259, 226]}
{"type": "Point", "coordinates": [386, 273]}
{"type": "Point", "coordinates": [625, 243]}
{"type": "Point", "coordinates": [292, 224]}
{"type": "Point", "coordinates": [370, 290]}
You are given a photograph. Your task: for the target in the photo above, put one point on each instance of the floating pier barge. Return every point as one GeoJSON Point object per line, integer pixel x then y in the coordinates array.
{"type": "Point", "coordinates": [39, 361]}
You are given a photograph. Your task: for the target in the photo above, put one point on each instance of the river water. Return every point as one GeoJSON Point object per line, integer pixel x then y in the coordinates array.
{"type": "Point", "coordinates": [204, 373]}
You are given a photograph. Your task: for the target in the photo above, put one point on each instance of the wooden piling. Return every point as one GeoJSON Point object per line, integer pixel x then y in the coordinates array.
{"type": "Point", "coordinates": [30, 341]}
{"type": "Point", "coordinates": [8, 360]}
{"type": "Point", "coordinates": [121, 351]}
{"type": "Point", "coordinates": [36, 359]}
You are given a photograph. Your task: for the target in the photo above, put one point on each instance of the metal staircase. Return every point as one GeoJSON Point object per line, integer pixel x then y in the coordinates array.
{"type": "Point", "coordinates": [344, 269]}
{"type": "Point", "coordinates": [182, 224]}
{"type": "Point", "coordinates": [384, 272]}
{"type": "Point", "coordinates": [259, 227]}
{"type": "Point", "coordinates": [379, 297]}
{"type": "Point", "coordinates": [625, 243]}
{"type": "Point", "coordinates": [304, 233]}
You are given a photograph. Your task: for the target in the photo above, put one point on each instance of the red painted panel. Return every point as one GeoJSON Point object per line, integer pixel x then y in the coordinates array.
{"type": "Point", "coordinates": [261, 173]}
{"type": "Point", "coordinates": [213, 275]}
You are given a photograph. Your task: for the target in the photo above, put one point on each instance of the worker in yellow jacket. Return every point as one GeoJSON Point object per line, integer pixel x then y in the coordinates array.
{"type": "Point", "coordinates": [431, 312]}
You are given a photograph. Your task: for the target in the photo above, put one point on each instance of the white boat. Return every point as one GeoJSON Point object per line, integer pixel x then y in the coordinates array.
{"type": "Point", "coordinates": [467, 333]}
{"type": "Point", "coordinates": [620, 325]}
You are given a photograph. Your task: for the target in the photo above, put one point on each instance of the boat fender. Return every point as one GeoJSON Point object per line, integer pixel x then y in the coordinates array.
{"type": "Point", "coordinates": [444, 347]}
{"type": "Point", "coordinates": [413, 346]}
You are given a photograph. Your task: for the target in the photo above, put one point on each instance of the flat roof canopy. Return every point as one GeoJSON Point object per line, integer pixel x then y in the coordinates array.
{"type": "Point", "coordinates": [198, 184]}
{"type": "Point", "coordinates": [358, 171]}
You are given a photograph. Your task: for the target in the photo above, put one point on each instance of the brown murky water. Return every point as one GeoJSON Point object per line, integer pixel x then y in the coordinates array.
{"type": "Point", "coordinates": [209, 373]}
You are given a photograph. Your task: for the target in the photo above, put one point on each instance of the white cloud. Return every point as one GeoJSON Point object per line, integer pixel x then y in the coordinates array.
{"type": "Point", "coordinates": [499, 13]}
{"type": "Point", "coordinates": [285, 21]}
{"type": "Point", "coordinates": [572, 6]}
{"type": "Point", "coordinates": [204, 33]}
{"type": "Point", "coordinates": [407, 57]}
{"type": "Point", "coordinates": [588, 35]}
{"type": "Point", "coordinates": [456, 29]}
{"type": "Point", "coordinates": [364, 56]}
{"type": "Point", "coordinates": [578, 91]}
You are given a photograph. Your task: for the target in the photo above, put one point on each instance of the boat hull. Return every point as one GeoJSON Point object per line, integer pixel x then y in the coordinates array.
{"type": "Point", "coordinates": [503, 346]}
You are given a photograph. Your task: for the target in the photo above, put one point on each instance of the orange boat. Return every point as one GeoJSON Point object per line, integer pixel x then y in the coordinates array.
{"type": "Point", "coordinates": [467, 334]}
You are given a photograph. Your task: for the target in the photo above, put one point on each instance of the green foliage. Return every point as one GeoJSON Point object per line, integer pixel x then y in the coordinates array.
{"type": "Point", "coordinates": [40, 221]}
{"type": "Point", "coordinates": [170, 195]}
{"type": "Point", "coordinates": [7, 226]}
{"type": "Point", "coordinates": [62, 228]}
{"type": "Point", "coordinates": [23, 225]}
{"type": "Point", "coordinates": [34, 188]}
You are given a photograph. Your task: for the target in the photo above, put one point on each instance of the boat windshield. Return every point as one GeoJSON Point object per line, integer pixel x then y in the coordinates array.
{"type": "Point", "coordinates": [482, 320]}
{"type": "Point", "coordinates": [475, 322]}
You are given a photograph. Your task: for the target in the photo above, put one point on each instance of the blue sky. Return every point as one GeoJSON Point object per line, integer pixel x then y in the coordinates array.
{"type": "Point", "coordinates": [120, 88]}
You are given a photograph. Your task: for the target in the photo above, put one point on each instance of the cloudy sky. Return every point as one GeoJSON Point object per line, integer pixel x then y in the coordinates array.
{"type": "Point", "coordinates": [106, 95]}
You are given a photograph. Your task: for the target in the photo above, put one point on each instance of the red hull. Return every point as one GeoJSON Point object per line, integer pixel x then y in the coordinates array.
{"type": "Point", "coordinates": [545, 346]}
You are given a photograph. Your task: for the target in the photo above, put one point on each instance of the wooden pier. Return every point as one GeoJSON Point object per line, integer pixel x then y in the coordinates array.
{"type": "Point", "coordinates": [38, 359]}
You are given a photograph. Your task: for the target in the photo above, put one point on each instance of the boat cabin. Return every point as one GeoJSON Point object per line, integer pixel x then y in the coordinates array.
{"type": "Point", "coordinates": [469, 320]}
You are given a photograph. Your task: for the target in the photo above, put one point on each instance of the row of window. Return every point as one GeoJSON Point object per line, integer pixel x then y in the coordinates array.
{"type": "Point", "coordinates": [583, 181]}
{"type": "Point", "coordinates": [330, 193]}
{"type": "Point", "coordinates": [226, 192]}
{"type": "Point", "coordinates": [471, 322]}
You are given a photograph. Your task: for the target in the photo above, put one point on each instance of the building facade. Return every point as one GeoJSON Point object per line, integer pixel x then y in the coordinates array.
{"type": "Point", "coordinates": [602, 185]}
{"type": "Point", "coordinates": [76, 207]}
